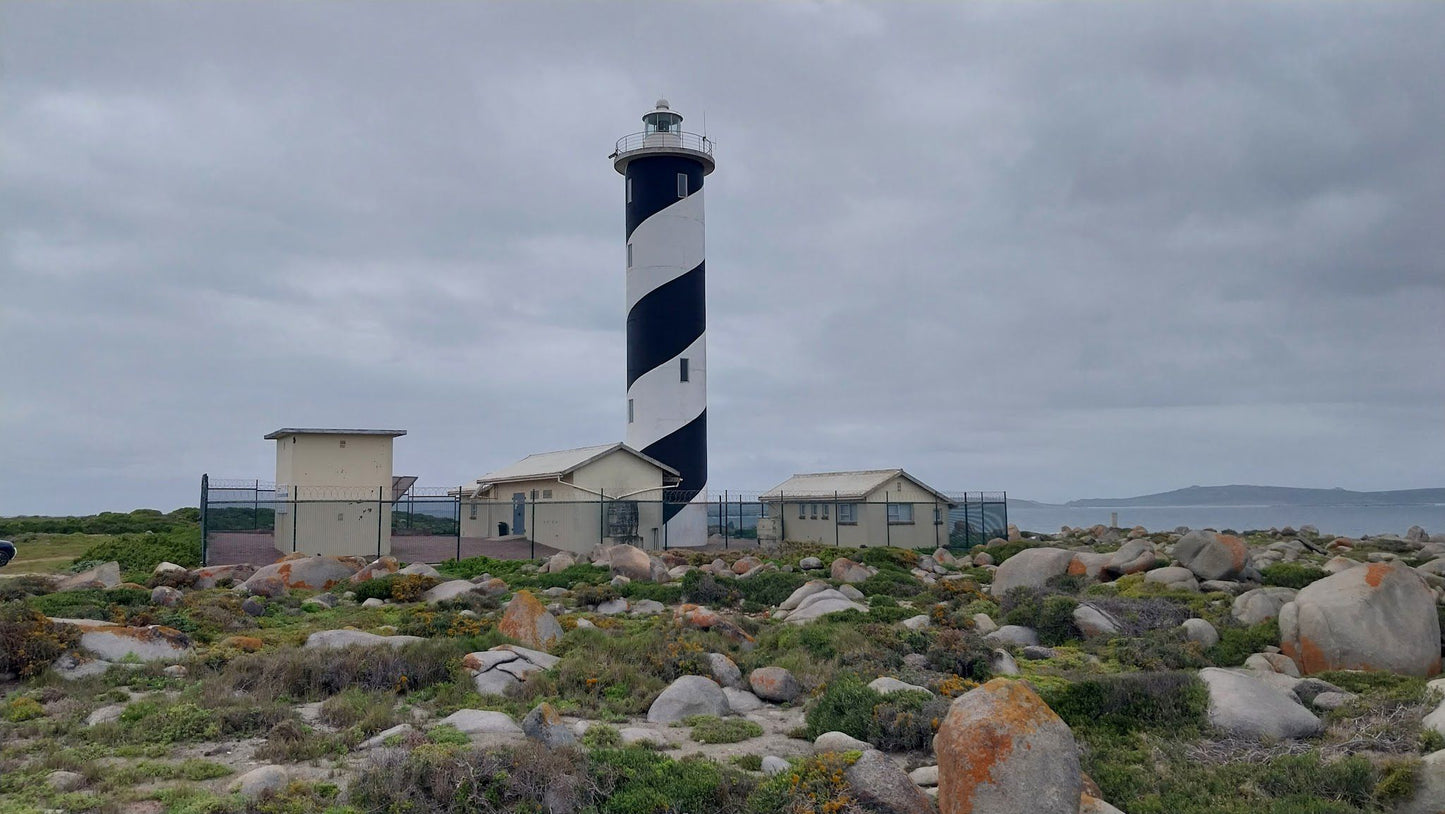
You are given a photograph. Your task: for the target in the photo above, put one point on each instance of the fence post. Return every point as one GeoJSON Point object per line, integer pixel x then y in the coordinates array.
{"type": "Point", "coordinates": [380, 494]}
{"type": "Point", "coordinates": [937, 521]}
{"type": "Point", "coordinates": [782, 517]}
{"type": "Point", "coordinates": [295, 518]}
{"type": "Point", "coordinates": [458, 506]}
{"type": "Point", "coordinates": [205, 498]}
{"type": "Point", "coordinates": [722, 517]}
{"type": "Point", "coordinates": [601, 515]}
{"type": "Point", "coordinates": [256, 504]}
{"type": "Point", "coordinates": [532, 532]}
{"type": "Point", "coordinates": [887, 526]}
{"type": "Point", "coordinates": [835, 520]}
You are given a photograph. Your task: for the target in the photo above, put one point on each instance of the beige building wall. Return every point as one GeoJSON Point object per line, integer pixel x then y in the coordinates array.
{"type": "Point", "coordinates": [566, 514]}
{"type": "Point", "coordinates": [344, 482]}
{"type": "Point", "coordinates": [817, 521]}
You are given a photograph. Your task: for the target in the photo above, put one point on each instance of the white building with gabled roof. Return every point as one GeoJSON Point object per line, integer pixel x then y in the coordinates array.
{"type": "Point", "coordinates": [874, 507]}
{"type": "Point", "coordinates": [572, 499]}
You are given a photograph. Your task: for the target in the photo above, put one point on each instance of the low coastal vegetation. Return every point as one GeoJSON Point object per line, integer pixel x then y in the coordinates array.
{"type": "Point", "coordinates": [1167, 666]}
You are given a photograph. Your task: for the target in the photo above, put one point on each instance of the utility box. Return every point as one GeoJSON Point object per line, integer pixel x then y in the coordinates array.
{"type": "Point", "coordinates": [334, 490]}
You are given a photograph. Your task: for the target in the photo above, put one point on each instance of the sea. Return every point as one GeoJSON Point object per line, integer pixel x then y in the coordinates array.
{"type": "Point", "coordinates": [1343, 521]}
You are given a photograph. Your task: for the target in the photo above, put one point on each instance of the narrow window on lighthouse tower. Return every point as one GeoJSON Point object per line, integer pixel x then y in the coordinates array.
{"type": "Point", "coordinates": [629, 411]}
{"type": "Point", "coordinates": [684, 368]}
{"type": "Point", "coordinates": [629, 255]}
{"type": "Point", "coordinates": [682, 185]}
{"type": "Point", "coordinates": [629, 190]}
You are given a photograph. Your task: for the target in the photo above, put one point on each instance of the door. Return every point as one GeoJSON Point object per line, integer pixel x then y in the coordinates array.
{"type": "Point", "coordinates": [519, 512]}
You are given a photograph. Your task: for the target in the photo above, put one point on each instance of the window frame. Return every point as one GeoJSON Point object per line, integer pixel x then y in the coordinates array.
{"type": "Point", "coordinates": [683, 186]}
{"type": "Point", "coordinates": [631, 412]}
{"type": "Point", "coordinates": [847, 514]}
{"type": "Point", "coordinates": [684, 370]}
{"type": "Point", "coordinates": [896, 512]}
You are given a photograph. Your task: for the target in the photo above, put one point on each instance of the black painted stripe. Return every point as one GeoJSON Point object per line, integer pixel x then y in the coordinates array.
{"type": "Point", "coordinates": [684, 449]}
{"type": "Point", "coordinates": [654, 185]}
{"type": "Point", "coordinates": [665, 321]}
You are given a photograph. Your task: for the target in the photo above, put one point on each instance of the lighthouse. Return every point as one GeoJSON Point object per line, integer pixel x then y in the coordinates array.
{"type": "Point", "coordinates": [664, 167]}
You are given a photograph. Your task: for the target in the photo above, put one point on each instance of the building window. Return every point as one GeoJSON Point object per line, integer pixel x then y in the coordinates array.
{"type": "Point", "coordinates": [825, 511]}
{"type": "Point", "coordinates": [534, 494]}
{"type": "Point", "coordinates": [629, 255]}
{"type": "Point", "coordinates": [474, 511]}
{"type": "Point", "coordinates": [629, 411]}
{"type": "Point", "coordinates": [546, 494]}
{"type": "Point", "coordinates": [629, 190]}
{"type": "Point", "coordinates": [343, 443]}
{"type": "Point", "coordinates": [900, 513]}
{"type": "Point", "coordinates": [802, 511]}
{"type": "Point", "coordinates": [847, 513]}
{"type": "Point", "coordinates": [684, 368]}
{"type": "Point", "coordinates": [682, 185]}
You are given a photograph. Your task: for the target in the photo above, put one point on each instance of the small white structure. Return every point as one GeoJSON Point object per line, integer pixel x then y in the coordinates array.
{"type": "Point", "coordinates": [876, 507]}
{"type": "Point", "coordinates": [333, 490]}
{"type": "Point", "coordinates": [572, 499]}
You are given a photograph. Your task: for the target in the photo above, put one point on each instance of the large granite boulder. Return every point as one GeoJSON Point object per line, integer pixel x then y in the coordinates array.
{"type": "Point", "coordinates": [847, 571]}
{"type": "Point", "coordinates": [110, 642]}
{"type": "Point", "coordinates": [346, 637]}
{"type": "Point", "coordinates": [1429, 794]}
{"type": "Point", "coordinates": [1260, 604]}
{"type": "Point", "coordinates": [687, 696]}
{"type": "Point", "coordinates": [628, 561]}
{"type": "Point", "coordinates": [213, 575]}
{"type": "Point", "coordinates": [1030, 568]}
{"type": "Point", "coordinates": [822, 603]}
{"type": "Point", "coordinates": [451, 589]}
{"type": "Point", "coordinates": [1243, 705]}
{"type": "Point", "coordinates": [379, 567]}
{"type": "Point", "coordinates": [305, 573]}
{"type": "Point", "coordinates": [505, 667]}
{"type": "Point", "coordinates": [774, 684]}
{"type": "Point", "coordinates": [1001, 750]}
{"type": "Point", "coordinates": [106, 575]}
{"type": "Point", "coordinates": [1131, 558]}
{"type": "Point", "coordinates": [526, 619]}
{"type": "Point", "coordinates": [1211, 555]}
{"type": "Point", "coordinates": [1379, 617]}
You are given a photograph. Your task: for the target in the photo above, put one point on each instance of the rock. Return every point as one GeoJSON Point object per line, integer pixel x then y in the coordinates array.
{"type": "Point", "coordinates": [379, 739]}
{"type": "Point", "coordinates": [105, 714]}
{"type": "Point", "coordinates": [1334, 700]}
{"type": "Point", "coordinates": [629, 561]}
{"type": "Point", "coordinates": [918, 622]}
{"type": "Point", "coordinates": [887, 684]}
{"type": "Point", "coordinates": [1377, 617]}
{"type": "Point", "coordinates": [1260, 604]}
{"type": "Point", "coordinates": [847, 571]}
{"type": "Point", "coordinates": [1221, 586]}
{"type": "Point", "coordinates": [347, 637]}
{"type": "Point", "coordinates": [810, 563]}
{"type": "Point", "coordinates": [687, 696]}
{"type": "Point", "coordinates": [982, 558]}
{"type": "Point", "coordinates": [822, 603]}
{"type": "Point", "coordinates": [774, 684]}
{"type": "Point", "coordinates": [924, 775]}
{"type": "Point", "coordinates": [881, 785]}
{"type": "Point", "coordinates": [1200, 631]}
{"type": "Point", "coordinates": [644, 607]}
{"type": "Point", "coordinates": [545, 726]}
{"type": "Point", "coordinates": [560, 561]}
{"type": "Point", "coordinates": [1173, 577]}
{"type": "Point", "coordinates": [261, 780]}
{"type": "Point", "coordinates": [253, 606]}
{"type": "Point", "coordinates": [65, 781]}
{"type": "Point", "coordinates": [1036, 652]}
{"type": "Point", "coordinates": [839, 742]}
{"type": "Point", "coordinates": [269, 586]}
{"type": "Point", "coordinates": [700, 618]}
{"type": "Point", "coordinates": [612, 607]}
{"type": "Point", "coordinates": [804, 591]}
{"type": "Point", "coordinates": [982, 623]}
{"type": "Point", "coordinates": [482, 722]}
{"type": "Point", "coordinates": [1089, 804]}
{"type": "Point", "coordinates": [451, 589]}
{"type": "Point", "coordinates": [852, 593]}
{"type": "Point", "coordinates": [774, 765]}
{"type": "Point", "coordinates": [1244, 706]}
{"type": "Point", "coordinates": [420, 569]}
{"type": "Point", "coordinates": [304, 573]}
{"type": "Point", "coordinates": [1429, 794]}
{"type": "Point", "coordinates": [1272, 663]}
{"type": "Point", "coordinates": [1211, 555]}
{"type": "Point", "coordinates": [1434, 720]}
{"type": "Point", "coordinates": [1001, 750]}
{"type": "Point", "coordinates": [120, 643]}
{"type": "Point", "coordinates": [1003, 663]}
{"type": "Point", "coordinates": [166, 596]}
{"type": "Point", "coordinates": [741, 702]}
{"type": "Point", "coordinates": [372, 602]}
{"type": "Point", "coordinates": [1030, 568]}
{"type": "Point", "coordinates": [101, 576]}
{"type": "Point", "coordinates": [1014, 634]}
{"type": "Point", "coordinates": [1088, 564]}
{"type": "Point", "coordinates": [1415, 534]}
{"type": "Point", "coordinates": [1091, 621]}
{"type": "Point", "coordinates": [379, 567]}
{"type": "Point", "coordinates": [527, 621]}
{"type": "Point", "coordinates": [724, 670]}
{"type": "Point", "coordinates": [213, 575]}
{"type": "Point", "coordinates": [175, 671]}
{"type": "Point", "coordinates": [166, 568]}
{"type": "Point", "coordinates": [745, 564]}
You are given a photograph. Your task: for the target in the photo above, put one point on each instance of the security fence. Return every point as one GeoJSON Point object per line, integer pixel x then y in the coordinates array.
{"type": "Point", "coordinates": [254, 520]}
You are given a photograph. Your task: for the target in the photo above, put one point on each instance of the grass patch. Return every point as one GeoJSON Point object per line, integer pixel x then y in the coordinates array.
{"type": "Point", "coordinates": [712, 729]}
{"type": "Point", "coordinates": [1172, 702]}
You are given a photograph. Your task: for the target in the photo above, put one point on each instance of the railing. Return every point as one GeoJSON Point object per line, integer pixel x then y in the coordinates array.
{"type": "Point", "coordinates": [674, 140]}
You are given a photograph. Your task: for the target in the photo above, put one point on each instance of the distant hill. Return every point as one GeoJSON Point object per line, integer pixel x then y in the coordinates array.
{"type": "Point", "coordinates": [1268, 496]}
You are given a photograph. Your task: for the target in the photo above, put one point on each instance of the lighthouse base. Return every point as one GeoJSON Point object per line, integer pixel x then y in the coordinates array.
{"type": "Point", "coordinates": [688, 528]}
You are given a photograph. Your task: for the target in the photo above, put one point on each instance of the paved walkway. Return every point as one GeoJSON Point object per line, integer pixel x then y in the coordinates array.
{"type": "Point", "coordinates": [233, 547]}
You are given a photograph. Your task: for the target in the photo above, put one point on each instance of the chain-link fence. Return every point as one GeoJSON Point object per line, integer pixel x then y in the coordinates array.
{"type": "Point", "coordinates": [254, 521]}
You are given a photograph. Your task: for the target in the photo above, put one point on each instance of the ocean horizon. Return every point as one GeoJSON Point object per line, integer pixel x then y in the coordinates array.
{"type": "Point", "coordinates": [1345, 521]}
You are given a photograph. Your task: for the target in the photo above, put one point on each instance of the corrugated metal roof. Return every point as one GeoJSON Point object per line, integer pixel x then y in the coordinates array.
{"type": "Point", "coordinates": [285, 431]}
{"type": "Point", "coordinates": [850, 485]}
{"type": "Point", "coordinates": [557, 464]}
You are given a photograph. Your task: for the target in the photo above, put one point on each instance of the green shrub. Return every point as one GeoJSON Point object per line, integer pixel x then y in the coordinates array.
{"type": "Point", "coordinates": [1051, 616]}
{"type": "Point", "coordinates": [109, 605]}
{"type": "Point", "coordinates": [1003, 551]}
{"type": "Point", "coordinates": [845, 705]}
{"type": "Point", "coordinates": [666, 594]}
{"type": "Point", "coordinates": [376, 588]}
{"type": "Point", "coordinates": [23, 708]}
{"type": "Point", "coordinates": [644, 782]}
{"type": "Point", "coordinates": [355, 708]}
{"type": "Point", "coordinates": [1171, 703]}
{"type": "Point", "coordinates": [712, 729]}
{"type": "Point", "coordinates": [702, 588]}
{"type": "Point", "coordinates": [891, 582]}
{"type": "Point", "coordinates": [601, 736]}
{"type": "Point", "coordinates": [962, 653]}
{"type": "Point", "coordinates": [291, 741]}
{"type": "Point", "coordinates": [572, 575]}
{"type": "Point", "coordinates": [906, 721]}
{"type": "Point", "coordinates": [1157, 650]}
{"type": "Point", "coordinates": [1291, 574]}
{"type": "Point", "coordinates": [29, 642]}
{"type": "Point", "coordinates": [770, 587]}
{"type": "Point", "coordinates": [1237, 643]}
{"type": "Point", "coordinates": [814, 785]}
{"type": "Point", "coordinates": [888, 556]}
{"type": "Point", "coordinates": [461, 779]}
{"type": "Point", "coordinates": [318, 674]}
{"type": "Point", "coordinates": [135, 522]}
{"type": "Point", "coordinates": [154, 722]}
{"type": "Point", "coordinates": [140, 553]}
{"type": "Point", "coordinates": [750, 763]}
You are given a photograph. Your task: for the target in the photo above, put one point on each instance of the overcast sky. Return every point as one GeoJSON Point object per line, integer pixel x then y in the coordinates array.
{"type": "Point", "coordinates": [1067, 250]}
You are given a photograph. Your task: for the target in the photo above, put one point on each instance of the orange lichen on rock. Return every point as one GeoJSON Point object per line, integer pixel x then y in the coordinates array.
{"type": "Point", "coordinates": [1375, 572]}
{"type": "Point", "coordinates": [1238, 550]}
{"type": "Point", "coordinates": [527, 620]}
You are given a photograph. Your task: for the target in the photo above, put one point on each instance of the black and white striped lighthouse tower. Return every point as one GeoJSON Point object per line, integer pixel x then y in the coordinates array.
{"type": "Point", "coordinates": [664, 169]}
